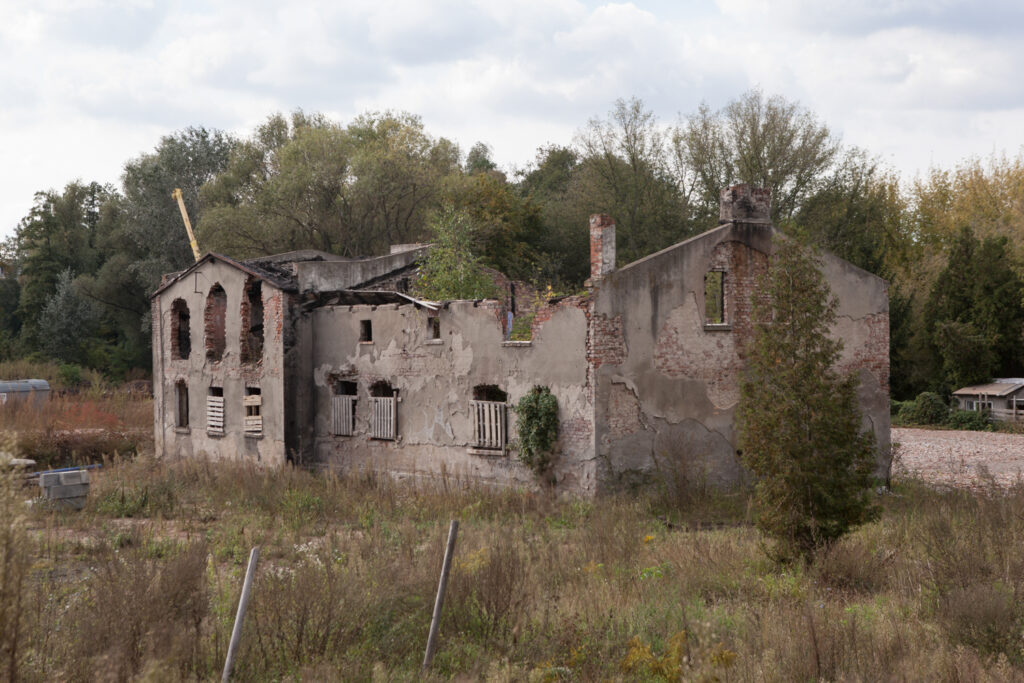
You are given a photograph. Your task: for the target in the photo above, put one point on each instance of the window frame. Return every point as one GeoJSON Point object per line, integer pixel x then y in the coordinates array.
{"type": "Point", "coordinates": [723, 321]}
{"type": "Point", "coordinates": [215, 404]}
{"type": "Point", "coordinates": [181, 399]}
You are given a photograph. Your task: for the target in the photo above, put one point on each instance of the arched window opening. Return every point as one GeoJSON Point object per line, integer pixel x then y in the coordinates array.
{"type": "Point", "coordinates": [181, 330]}
{"type": "Point", "coordinates": [252, 323]}
{"type": "Point", "coordinates": [489, 392]}
{"type": "Point", "coordinates": [215, 320]}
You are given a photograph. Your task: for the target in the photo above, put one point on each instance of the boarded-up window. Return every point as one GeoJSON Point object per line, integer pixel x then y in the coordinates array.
{"type": "Point", "coordinates": [343, 408]}
{"type": "Point", "coordinates": [181, 330]}
{"type": "Point", "coordinates": [215, 411]}
{"type": "Point", "coordinates": [383, 411]}
{"type": "Point", "coordinates": [253, 404]}
{"type": "Point", "coordinates": [489, 410]}
{"type": "Point", "coordinates": [252, 323]}
{"type": "Point", "coordinates": [714, 298]}
{"type": "Point", "coordinates": [214, 322]}
{"type": "Point", "coordinates": [181, 398]}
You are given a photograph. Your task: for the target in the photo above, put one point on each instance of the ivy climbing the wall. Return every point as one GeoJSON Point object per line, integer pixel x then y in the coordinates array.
{"type": "Point", "coordinates": [537, 427]}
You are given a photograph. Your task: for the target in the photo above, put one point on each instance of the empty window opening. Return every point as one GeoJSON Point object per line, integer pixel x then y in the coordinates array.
{"type": "Point", "coordinates": [403, 285]}
{"type": "Point", "coordinates": [489, 392]}
{"type": "Point", "coordinates": [365, 331]}
{"type": "Point", "coordinates": [490, 417]}
{"type": "Point", "coordinates": [252, 323]}
{"type": "Point", "coordinates": [343, 408]}
{"type": "Point", "coordinates": [714, 298]}
{"type": "Point", "coordinates": [181, 330]}
{"type": "Point", "coordinates": [181, 396]}
{"type": "Point", "coordinates": [253, 404]}
{"type": "Point", "coordinates": [383, 411]}
{"type": "Point", "coordinates": [434, 327]}
{"type": "Point", "coordinates": [215, 410]}
{"type": "Point", "coordinates": [214, 318]}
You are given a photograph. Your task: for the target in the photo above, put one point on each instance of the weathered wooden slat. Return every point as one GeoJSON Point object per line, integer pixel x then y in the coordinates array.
{"type": "Point", "coordinates": [343, 415]}
{"type": "Point", "coordinates": [252, 400]}
{"type": "Point", "coordinates": [488, 424]}
{"type": "Point", "coordinates": [215, 414]}
{"type": "Point", "coordinates": [384, 423]}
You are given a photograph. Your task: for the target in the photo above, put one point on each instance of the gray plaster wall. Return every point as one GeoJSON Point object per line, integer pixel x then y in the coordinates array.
{"type": "Point", "coordinates": [666, 392]}
{"type": "Point", "coordinates": [325, 276]}
{"type": "Point", "coordinates": [229, 373]}
{"type": "Point", "coordinates": [435, 380]}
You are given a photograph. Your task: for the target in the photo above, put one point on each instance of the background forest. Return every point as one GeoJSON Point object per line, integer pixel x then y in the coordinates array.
{"type": "Point", "coordinates": [80, 266]}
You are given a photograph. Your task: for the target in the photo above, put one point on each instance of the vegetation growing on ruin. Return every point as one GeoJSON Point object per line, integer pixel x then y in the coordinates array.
{"type": "Point", "coordinates": [537, 428]}
{"type": "Point", "coordinates": [451, 270]}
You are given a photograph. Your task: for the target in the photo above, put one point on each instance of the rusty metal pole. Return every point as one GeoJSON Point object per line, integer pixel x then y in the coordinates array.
{"type": "Point", "coordinates": [243, 604]}
{"type": "Point", "coordinates": [435, 621]}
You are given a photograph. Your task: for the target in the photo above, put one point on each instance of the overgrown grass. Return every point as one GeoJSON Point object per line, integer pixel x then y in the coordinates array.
{"type": "Point", "coordinates": [71, 430]}
{"type": "Point", "coordinates": [144, 584]}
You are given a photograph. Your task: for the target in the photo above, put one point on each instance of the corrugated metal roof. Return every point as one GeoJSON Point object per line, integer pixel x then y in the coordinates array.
{"type": "Point", "coordinates": [996, 388]}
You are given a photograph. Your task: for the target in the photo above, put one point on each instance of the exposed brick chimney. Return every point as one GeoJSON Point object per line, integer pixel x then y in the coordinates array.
{"type": "Point", "coordinates": [745, 204]}
{"type": "Point", "coordinates": [602, 245]}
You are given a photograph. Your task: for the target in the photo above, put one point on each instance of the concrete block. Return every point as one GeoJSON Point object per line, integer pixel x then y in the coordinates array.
{"type": "Point", "coordinates": [66, 491]}
{"type": "Point", "coordinates": [48, 479]}
{"type": "Point", "coordinates": [76, 477]}
{"type": "Point", "coordinates": [69, 503]}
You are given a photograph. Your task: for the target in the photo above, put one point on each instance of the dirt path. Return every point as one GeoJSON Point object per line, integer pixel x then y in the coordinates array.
{"type": "Point", "coordinates": [959, 458]}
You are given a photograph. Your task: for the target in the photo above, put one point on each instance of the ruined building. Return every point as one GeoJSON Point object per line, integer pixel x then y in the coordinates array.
{"type": "Point", "coordinates": [312, 358]}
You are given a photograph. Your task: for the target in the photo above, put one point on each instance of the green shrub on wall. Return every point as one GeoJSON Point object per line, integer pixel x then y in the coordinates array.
{"type": "Point", "coordinates": [537, 427]}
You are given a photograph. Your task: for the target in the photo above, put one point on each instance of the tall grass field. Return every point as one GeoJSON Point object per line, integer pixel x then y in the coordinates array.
{"type": "Point", "coordinates": [143, 584]}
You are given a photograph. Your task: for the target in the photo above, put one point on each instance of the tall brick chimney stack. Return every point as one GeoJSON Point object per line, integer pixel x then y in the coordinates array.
{"type": "Point", "coordinates": [602, 245]}
{"type": "Point", "coordinates": [745, 204]}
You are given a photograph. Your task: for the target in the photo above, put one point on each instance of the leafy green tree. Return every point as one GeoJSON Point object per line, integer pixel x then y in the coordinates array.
{"type": "Point", "coordinates": [451, 270]}
{"type": "Point", "coordinates": [478, 160]}
{"type": "Point", "coordinates": [59, 233]}
{"type": "Point", "coordinates": [764, 141]}
{"type": "Point", "coordinates": [147, 223]}
{"type": "Point", "coordinates": [799, 422]}
{"type": "Point", "coordinates": [509, 230]}
{"type": "Point", "coordinates": [624, 170]}
{"type": "Point", "coordinates": [67, 322]}
{"type": "Point", "coordinates": [310, 183]}
{"type": "Point", "coordinates": [858, 214]}
{"type": "Point", "coordinates": [563, 252]}
{"type": "Point", "coordinates": [975, 314]}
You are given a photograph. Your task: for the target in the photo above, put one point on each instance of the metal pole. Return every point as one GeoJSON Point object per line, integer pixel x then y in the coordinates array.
{"type": "Point", "coordinates": [435, 622]}
{"type": "Point", "coordinates": [243, 603]}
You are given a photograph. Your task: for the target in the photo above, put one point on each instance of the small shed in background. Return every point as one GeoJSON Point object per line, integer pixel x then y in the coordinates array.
{"type": "Point", "coordinates": [1003, 398]}
{"type": "Point", "coordinates": [30, 391]}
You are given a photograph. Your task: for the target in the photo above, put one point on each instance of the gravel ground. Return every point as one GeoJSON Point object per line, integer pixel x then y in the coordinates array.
{"type": "Point", "coordinates": [968, 459]}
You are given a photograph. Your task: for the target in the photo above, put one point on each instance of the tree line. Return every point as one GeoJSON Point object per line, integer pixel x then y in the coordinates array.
{"type": "Point", "coordinates": [82, 263]}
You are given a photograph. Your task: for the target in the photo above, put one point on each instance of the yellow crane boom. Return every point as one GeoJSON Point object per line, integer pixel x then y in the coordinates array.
{"type": "Point", "coordinates": [188, 224]}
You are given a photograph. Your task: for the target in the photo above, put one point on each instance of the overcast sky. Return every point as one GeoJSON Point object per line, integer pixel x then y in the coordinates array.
{"type": "Point", "coordinates": [87, 84]}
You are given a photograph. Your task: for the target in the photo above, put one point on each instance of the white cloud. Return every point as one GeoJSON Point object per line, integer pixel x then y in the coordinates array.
{"type": "Point", "coordinates": [86, 85]}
